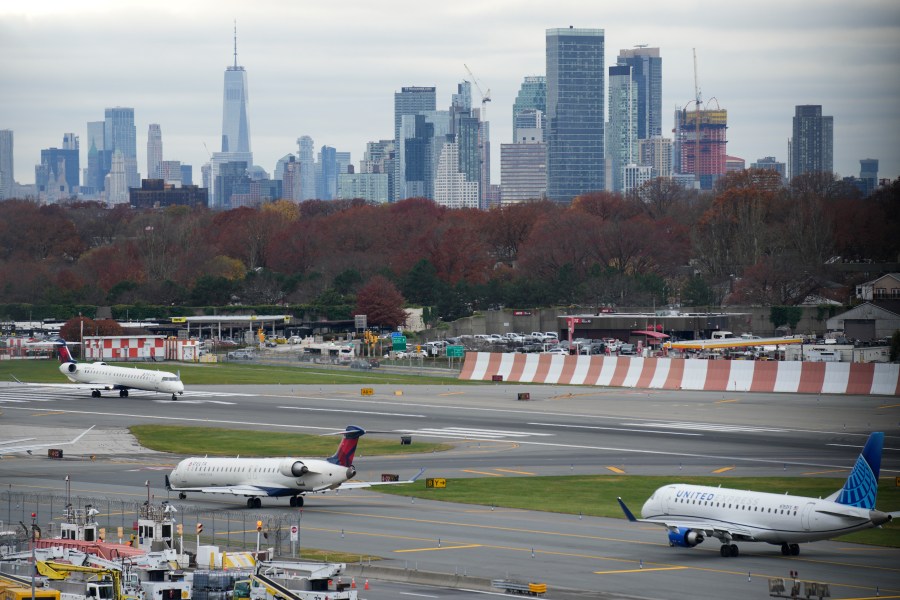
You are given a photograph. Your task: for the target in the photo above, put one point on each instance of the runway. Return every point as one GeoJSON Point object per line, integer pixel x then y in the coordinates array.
{"type": "Point", "coordinates": [559, 431]}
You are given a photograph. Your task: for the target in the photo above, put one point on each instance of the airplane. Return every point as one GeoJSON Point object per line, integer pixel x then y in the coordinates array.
{"type": "Point", "coordinates": [692, 513]}
{"type": "Point", "coordinates": [5, 448]}
{"type": "Point", "coordinates": [99, 376]}
{"type": "Point", "coordinates": [256, 478]}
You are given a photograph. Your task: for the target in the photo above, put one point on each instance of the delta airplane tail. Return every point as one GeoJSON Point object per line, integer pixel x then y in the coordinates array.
{"type": "Point", "coordinates": [347, 448]}
{"type": "Point", "coordinates": [861, 487]}
{"type": "Point", "coordinates": [65, 356]}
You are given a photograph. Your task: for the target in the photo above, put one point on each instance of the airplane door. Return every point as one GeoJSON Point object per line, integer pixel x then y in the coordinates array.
{"type": "Point", "coordinates": [667, 496]}
{"type": "Point", "coordinates": [805, 515]}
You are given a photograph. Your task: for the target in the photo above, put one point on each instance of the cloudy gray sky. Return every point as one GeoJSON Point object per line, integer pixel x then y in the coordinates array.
{"type": "Point", "coordinates": [330, 69]}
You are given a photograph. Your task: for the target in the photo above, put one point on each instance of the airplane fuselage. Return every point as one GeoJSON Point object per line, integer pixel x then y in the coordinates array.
{"type": "Point", "coordinates": [278, 476]}
{"type": "Point", "coordinates": [766, 517]}
{"type": "Point", "coordinates": [108, 377]}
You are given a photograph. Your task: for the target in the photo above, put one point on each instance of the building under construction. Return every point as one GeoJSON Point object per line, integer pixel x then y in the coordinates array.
{"type": "Point", "coordinates": [700, 143]}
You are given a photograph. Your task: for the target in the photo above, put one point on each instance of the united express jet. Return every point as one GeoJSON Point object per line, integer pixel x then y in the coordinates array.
{"type": "Point", "coordinates": [693, 513]}
{"type": "Point", "coordinates": [257, 478]}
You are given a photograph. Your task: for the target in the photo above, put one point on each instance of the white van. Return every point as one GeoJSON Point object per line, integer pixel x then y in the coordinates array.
{"type": "Point", "coordinates": [721, 335]}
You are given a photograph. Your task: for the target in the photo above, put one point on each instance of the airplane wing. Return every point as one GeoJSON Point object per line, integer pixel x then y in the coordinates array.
{"type": "Point", "coordinates": [350, 485]}
{"type": "Point", "coordinates": [236, 490]}
{"type": "Point", "coordinates": [7, 449]}
{"type": "Point", "coordinates": [708, 529]}
{"type": "Point", "coordinates": [72, 386]}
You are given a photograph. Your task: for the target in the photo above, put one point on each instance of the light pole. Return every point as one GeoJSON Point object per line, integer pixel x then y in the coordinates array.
{"type": "Point", "coordinates": [33, 563]}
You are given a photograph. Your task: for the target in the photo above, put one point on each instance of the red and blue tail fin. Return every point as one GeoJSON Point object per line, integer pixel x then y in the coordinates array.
{"type": "Point", "coordinates": [64, 355]}
{"type": "Point", "coordinates": [347, 448]}
{"type": "Point", "coordinates": [861, 487]}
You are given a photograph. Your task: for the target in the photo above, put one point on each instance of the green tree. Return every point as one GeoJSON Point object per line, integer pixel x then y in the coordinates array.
{"type": "Point", "coordinates": [420, 285]}
{"type": "Point", "coordinates": [209, 290]}
{"type": "Point", "coordinates": [696, 292]}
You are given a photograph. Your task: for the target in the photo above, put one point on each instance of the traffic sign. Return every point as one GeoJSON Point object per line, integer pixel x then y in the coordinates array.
{"type": "Point", "coordinates": [456, 351]}
{"type": "Point", "coordinates": [399, 343]}
{"type": "Point", "coordinates": [294, 533]}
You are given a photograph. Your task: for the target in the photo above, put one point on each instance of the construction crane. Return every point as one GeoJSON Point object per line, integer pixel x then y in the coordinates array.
{"type": "Point", "coordinates": [698, 99]}
{"type": "Point", "coordinates": [485, 96]}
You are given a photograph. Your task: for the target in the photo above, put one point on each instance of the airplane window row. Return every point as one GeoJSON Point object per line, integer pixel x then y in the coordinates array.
{"type": "Point", "coordinates": [741, 507]}
{"type": "Point", "coordinates": [233, 469]}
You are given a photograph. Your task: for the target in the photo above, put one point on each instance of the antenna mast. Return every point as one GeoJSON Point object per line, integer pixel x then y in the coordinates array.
{"type": "Point", "coordinates": [698, 99]}
{"type": "Point", "coordinates": [235, 50]}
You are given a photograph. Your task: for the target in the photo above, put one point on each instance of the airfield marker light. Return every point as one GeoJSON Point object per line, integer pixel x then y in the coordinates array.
{"type": "Point", "coordinates": [259, 526]}
{"type": "Point", "coordinates": [199, 528]}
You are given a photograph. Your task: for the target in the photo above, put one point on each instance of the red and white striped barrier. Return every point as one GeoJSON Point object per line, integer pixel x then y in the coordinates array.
{"type": "Point", "coordinates": [686, 374]}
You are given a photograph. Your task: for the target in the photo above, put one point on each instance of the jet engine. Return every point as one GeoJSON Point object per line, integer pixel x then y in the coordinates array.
{"type": "Point", "coordinates": [293, 468]}
{"type": "Point", "coordinates": [684, 537]}
{"type": "Point", "coordinates": [71, 367]}
{"type": "Point", "coordinates": [351, 472]}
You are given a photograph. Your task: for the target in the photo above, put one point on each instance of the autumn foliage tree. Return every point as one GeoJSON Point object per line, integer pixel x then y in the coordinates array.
{"type": "Point", "coordinates": [381, 302]}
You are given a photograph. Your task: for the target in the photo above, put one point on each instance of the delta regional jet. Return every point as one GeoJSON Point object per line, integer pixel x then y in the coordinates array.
{"type": "Point", "coordinates": [99, 376]}
{"type": "Point", "coordinates": [693, 513]}
{"type": "Point", "coordinates": [256, 478]}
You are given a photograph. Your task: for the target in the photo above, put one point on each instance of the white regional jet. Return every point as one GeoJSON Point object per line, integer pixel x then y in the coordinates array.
{"type": "Point", "coordinates": [273, 477]}
{"type": "Point", "coordinates": [99, 376]}
{"type": "Point", "coordinates": [693, 513]}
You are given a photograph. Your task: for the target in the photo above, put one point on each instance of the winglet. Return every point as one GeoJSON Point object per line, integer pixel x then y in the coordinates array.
{"type": "Point", "coordinates": [628, 514]}
{"type": "Point", "coordinates": [16, 378]}
{"type": "Point", "coordinates": [417, 475]}
{"type": "Point", "coordinates": [168, 485]}
{"type": "Point", "coordinates": [81, 435]}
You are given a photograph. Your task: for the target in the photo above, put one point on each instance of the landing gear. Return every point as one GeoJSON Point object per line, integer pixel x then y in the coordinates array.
{"type": "Point", "coordinates": [182, 496]}
{"type": "Point", "coordinates": [95, 393]}
{"type": "Point", "coordinates": [123, 393]}
{"type": "Point", "coordinates": [174, 397]}
{"type": "Point", "coordinates": [790, 549]}
{"type": "Point", "coordinates": [296, 500]}
{"type": "Point", "coordinates": [254, 503]}
{"type": "Point", "coordinates": [729, 550]}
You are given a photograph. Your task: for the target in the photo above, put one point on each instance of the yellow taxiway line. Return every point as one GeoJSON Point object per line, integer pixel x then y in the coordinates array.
{"type": "Point", "coordinates": [723, 470]}
{"type": "Point", "coordinates": [438, 548]}
{"type": "Point", "coordinates": [616, 470]}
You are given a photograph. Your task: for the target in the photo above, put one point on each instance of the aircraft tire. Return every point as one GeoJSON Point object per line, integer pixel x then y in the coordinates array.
{"type": "Point", "coordinates": [299, 500]}
{"type": "Point", "coordinates": [725, 550]}
{"type": "Point", "coordinates": [785, 549]}
{"type": "Point", "coordinates": [795, 549]}
{"type": "Point", "coordinates": [257, 503]}
{"type": "Point", "coordinates": [123, 393]}
{"type": "Point", "coordinates": [95, 393]}
{"type": "Point", "coordinates": [733, 550]}
{"type": "Point", "coordinates": [174, 397]}
{"type": "Point", "coordinates": [182, 496]}
{"type": "Point", "coordinates": [250, 502]}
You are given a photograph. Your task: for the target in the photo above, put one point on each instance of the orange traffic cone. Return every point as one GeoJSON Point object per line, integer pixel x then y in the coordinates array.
{"type": "Point", "coordinates": [366, 586]}
{"type": "Point", "coordinates": [353, 583]}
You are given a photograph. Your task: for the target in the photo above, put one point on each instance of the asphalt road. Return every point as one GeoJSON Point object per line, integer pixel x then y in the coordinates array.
{"type": "Point", "coordinates": [560, 430]}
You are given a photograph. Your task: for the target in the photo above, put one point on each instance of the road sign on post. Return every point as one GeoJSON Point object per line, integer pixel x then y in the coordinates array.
{"type": "Point", "coordinates": [399, 343]}
{"type": "Point", "coordinates": [360, 321]}
{"type": "Point", "coordinates": [455, 351]}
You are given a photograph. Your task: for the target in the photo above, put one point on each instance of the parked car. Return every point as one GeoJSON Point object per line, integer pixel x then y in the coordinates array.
{"type": "Point", "coordinates": [241, 355]}
{"type": "Point", "coordinates": [360, 363]}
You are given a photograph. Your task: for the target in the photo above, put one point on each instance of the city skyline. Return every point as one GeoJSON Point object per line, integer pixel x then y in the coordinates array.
{"type": "Point", "coordinates": [333, 74]}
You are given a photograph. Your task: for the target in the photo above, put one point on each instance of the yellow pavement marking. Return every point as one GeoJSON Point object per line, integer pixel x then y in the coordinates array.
{"type": "Point", "coordinates": [516, 472]}
{"type": "Point", "coordinates": [616, 470]}
{"type": "Point", "coordinates": [49, 412]}
{"type": "Point", "coordinates": [452, 394]}
{"type": "Point", "coordinates": [438, 548]}
{"type": "Point", "coordinates": [723, 470]}
{"type": "Point", "coordinates": [827, 472]}
{"type": "Point", "coordinates": [481, 473]}
{"type": "Point", "coordinates": [640, 570]}
{"type": "Point", "coordinates": [725, 401]}
{"type": "Point", "coordinates": [889, 406]}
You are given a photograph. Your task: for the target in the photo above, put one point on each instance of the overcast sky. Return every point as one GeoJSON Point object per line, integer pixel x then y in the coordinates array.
{"type": "Point", "coordinates": [330, 70]}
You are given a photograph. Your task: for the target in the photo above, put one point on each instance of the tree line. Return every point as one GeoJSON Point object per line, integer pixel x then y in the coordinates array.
{"type": "Point", "coordinates": [752, 240]}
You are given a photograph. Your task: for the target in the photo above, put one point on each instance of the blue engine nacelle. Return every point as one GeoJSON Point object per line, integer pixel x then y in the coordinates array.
{"type": "Point", "coordinates": [684, 537]}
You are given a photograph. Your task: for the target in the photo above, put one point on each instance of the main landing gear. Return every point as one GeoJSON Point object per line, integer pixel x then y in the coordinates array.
{"type": "Point", "coordinates": [729, 550]}
{"type": "Point", "coordinates": [123, 393]}
{"type": "Point", "coordinates": [790, 549]}
{"type": "Point", "coordinates": [182, 496]}
{"type": "Point", "coordinates": [296, 500]}
{"type": "Point", "coordinates": [254, 503]}
{"type": "Point", "coordinates": [174, 397]}
{"type": "Point", "coordinates": [95, 393]}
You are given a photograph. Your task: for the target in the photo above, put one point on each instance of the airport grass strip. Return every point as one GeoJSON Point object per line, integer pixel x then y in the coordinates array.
{"type": "Point", "coordinates": [215, 441]}
{"type": "Point", "coordinates": [233, 373]}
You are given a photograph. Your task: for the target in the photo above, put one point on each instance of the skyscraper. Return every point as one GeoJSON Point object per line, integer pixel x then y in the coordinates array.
{"type": "Point", "coordinates": [7, 175]}
{"type": "Point", "coordinates": [700, 144]}
{"type": "Point", "coordinates": [98, 158]}
{"type": "Point", "coordinates": [154, 151]}
{"type": "Point", "coordinates": [235, 124]}
{"type": "Point", "coordinates": [306, 158]}
{"type": "Point", "coordinates": [408, 101]}
{"type": "Point", "coordinates": [532, 98]}
{"type": "Point", "coordinates": [576, 108]}
{"type": "Point", "coordinates": [621, 132]}
{"type": "Point", "coordinates": [646, 71]}
{"type": "Point", "coordinates": [120, 134]}
{"type": "Point", "coordinates": [812, 145]}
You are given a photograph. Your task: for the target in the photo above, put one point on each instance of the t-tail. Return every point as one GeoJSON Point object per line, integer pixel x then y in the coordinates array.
{"type": "Point", "coordinates": [861, 487]}
{"type": "Point", "coordinates": [347, 448]}
{"type": "Point", "coordinates": [65, 356]}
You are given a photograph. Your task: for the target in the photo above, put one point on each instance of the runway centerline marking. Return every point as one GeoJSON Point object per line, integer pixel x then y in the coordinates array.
{"type": "Point", "coordinates": [596, 427]}
{"type": "Point", "coordinates": [356, 412]}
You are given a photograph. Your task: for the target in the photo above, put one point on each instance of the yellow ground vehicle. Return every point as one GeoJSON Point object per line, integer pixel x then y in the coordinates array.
{"type": "Point", "coordinates": [108, 585]}
{"type": "Point", "coordinates": [23, 593]}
